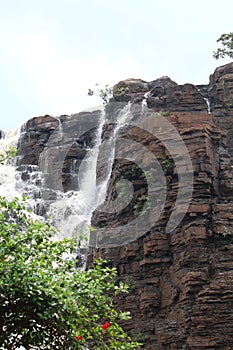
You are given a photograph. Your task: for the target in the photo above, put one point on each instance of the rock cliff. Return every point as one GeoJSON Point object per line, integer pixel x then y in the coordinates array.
{"type": "Point", "coordinates": [181, 294]}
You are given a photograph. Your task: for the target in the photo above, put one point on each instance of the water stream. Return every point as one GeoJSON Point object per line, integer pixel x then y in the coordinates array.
{"type": "Point", "coordinates": [207, 101]}
{"type": "Point", "coordinates": [208, 105]}
{"type": "Point", "coordinates": [144, 101]}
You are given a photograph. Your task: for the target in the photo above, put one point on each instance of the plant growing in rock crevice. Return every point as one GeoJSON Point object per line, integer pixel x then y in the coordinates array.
{"type": "Point", "coordinates": [225, 237]}
{"type": "Point", "coordinates": [105, 93]}
{"type": "Point", "coordinates": [120, 91]}
{"type": "Point", "coordinates": [167, 165]}
{"type": "Point", "coordinates": [142, 205]}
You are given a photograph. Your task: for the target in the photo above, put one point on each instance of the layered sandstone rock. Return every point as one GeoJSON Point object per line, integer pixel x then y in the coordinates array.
{"type": "Point", "coordinates": [181, 293]}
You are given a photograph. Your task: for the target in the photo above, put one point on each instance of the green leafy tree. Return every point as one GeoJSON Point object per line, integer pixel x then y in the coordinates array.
{"type": "Point", "coordinates": [226, 41]}
{"type": "Point", "coordinates": [45, 301]}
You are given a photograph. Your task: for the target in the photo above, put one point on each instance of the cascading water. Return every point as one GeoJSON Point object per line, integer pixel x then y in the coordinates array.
{"type": "Point", "coordinates": [108, 152]}
{"type": "Point", "coordinates": [70, 211]}
{"type": "Point", "coordinates": [8, 171]}
{"type": "Point", "coordinates": [73, 211]}
{"type": "Point", "coordinates": [144, 101]}
{"type": "Point", "coordinates": [207, 101]}
{"type": "Point", "coordinates": [208, 105]}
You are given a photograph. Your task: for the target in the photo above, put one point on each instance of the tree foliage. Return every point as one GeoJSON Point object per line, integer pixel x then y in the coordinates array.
{"type": "Point", "coordinates": [105, 93]}
{"type": "Point", "coordinates": [8, 155]}
{"type": "Point", "coordinates": [226, 41]}
{"type": "Point", "coordinates": [45, 301]}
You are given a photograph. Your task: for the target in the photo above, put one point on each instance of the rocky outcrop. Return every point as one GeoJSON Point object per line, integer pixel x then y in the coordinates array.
{"type": "Point", "coordinates": [59, 143]}
{"type": "Point", "coordinates": [162, 94]}
{"type": "Point", "coordinates": [180, 281]}
{"type": "Point", "coordinates": [221, 100]}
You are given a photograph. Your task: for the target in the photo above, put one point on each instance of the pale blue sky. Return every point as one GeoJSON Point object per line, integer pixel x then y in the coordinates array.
{"type": "Point", "coordinates": [52, 51]}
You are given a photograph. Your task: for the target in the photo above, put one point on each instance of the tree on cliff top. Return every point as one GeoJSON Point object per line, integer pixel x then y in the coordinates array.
{"type": "Point", "coordinates": [45, 302]}
{"type": "Point", "coordinates": [226, 41]}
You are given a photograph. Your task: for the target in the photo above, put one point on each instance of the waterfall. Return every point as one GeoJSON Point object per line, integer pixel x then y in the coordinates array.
{"type": "Point", "coordinates": [207, 101]}
{"type": "Point", "coordinates": [208, 105]}
{"type": "Point", "coordinates": [108, 152]}
{"type": "Point", "coordinates": [70, 211]}
{"type": "Point", "coordinates": [73, 210]}
{"type": "Point", "coordinates": [144, 101]}
{"type": "Point", "coordinates": [11, 184]}
{"type": "Point", "coordinates": [7, 174]}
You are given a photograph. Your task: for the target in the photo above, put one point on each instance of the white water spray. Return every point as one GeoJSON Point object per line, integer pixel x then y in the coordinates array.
{"type": "Point", "coordinates": [8, 172]}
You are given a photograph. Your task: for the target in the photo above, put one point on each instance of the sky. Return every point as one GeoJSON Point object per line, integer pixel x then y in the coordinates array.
{"type": "Point", "coordinates": [52, 51]}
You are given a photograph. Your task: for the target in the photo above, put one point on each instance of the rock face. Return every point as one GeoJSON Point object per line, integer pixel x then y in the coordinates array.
{"type": "Point", "coordinates": [181, 294]}
{"type": "Point", "coordinates": [60, 143]}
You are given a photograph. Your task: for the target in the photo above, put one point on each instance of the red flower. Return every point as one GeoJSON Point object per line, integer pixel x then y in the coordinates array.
{"type": "Point", "coordinates": [105, 326]}
{"type": "Point", "coordinates": [79, 337]}
{"type": "Point", "coordinates": [4, 258]}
